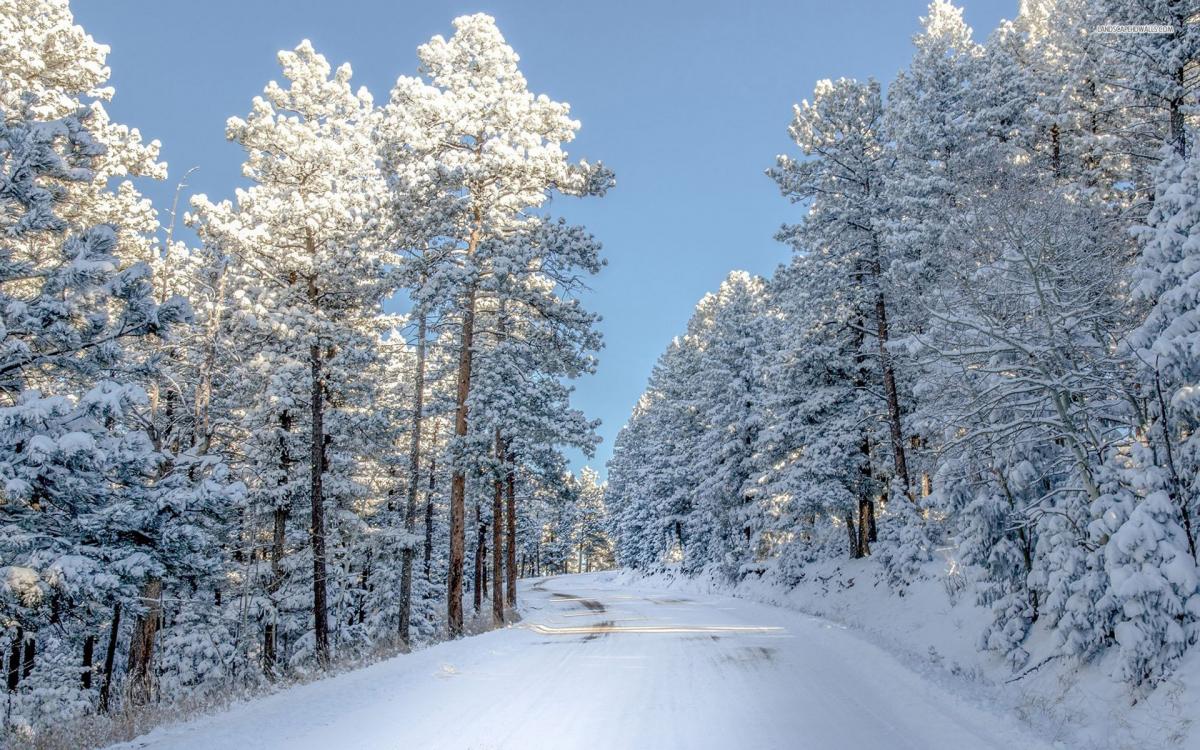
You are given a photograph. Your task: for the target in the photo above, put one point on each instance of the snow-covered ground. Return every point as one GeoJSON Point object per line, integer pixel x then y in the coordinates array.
{"type": "Point", "coordinates": [934, 630]}
{"type": "Point", "coordinates": [607, 661]}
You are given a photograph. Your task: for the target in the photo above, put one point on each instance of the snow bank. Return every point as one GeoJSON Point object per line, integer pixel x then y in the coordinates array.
{"type": "Point", "coordinates": [935, 627]}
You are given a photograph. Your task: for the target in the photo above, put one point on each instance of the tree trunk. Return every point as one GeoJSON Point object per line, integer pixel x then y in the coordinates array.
{"type": "Point", "coordinates": [30, 654]}
{"type": "Point", "coordinates": [85, 674]}
{"type": "Point", "coordinates": [511, 520]}
{"type": "Point", "coordinates": [866, 521]}
{"type": "Point", "coordinates": [364, 587]}
{"type": "Point", "coordinates": [1056, 150]}
{"type": "Point", "coordinates": [429, 509]}
{"type": "Point", "coordinates": [14, 660]}
{"type": "Point", "coordinates": [866, 517]}
{"type": "Point", "coordinates": [141, 648]}
{"type": "Point", "coordinates": [110, 656]}
{"type": "Point", "coordinates": [279, 519]}
{"type": "Point", "coordinates": [317, 471]}
{"type": "Point", "coordinates": [497, 536]}
{"type": "Point", "coordinates": [414, 470]}
{"type": "Point", "coordinates": [1178, 132]}
{"type": "Point", "coordinates": [271, 630]}
{"type": "Point", "coordinates": [855, 550]}
{"type": "Point", "coordinates": [480, 556]}
{"type": "Point", "coordinates": [899, 459]}
{"type": "Point", "coordinates": [458, 482]}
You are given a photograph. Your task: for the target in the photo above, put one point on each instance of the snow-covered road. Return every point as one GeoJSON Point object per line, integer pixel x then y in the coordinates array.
{"type": "Point", "coordinates": [597, 664]}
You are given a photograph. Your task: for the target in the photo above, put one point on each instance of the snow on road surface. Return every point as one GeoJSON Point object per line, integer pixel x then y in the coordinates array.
{"type": "Point", "coordinates": [597, 664]}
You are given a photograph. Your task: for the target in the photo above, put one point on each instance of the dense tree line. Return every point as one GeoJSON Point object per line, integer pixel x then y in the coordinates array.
{"type": "Point", "coordinates": [987, 340]}
{"type": "Point", "coordinates": [228, 464]}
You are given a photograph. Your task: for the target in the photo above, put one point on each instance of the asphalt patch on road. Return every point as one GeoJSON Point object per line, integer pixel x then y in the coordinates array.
{"type": "Point", "coordinates": [590, 604]}
{"type": "Point", "coordinates": [602, 629]}
{"type": "Point", "coordinates": [749, 657]}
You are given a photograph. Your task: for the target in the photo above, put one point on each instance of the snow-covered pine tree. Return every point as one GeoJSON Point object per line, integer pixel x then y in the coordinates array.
{"type": "Point", "coordinates": [652, 479]}
{"type": "Point", "coordinates": [841, 133]}
{"type": "Point", "coordinates": [595, 548]}
{"type": "Point", "coordinates": [943, 139]}
{"type": "Point", "coordinates": [306, 230]}
{"type": "Point", "coordinates": [640, 539]}
{"type": "Point", "coordinates": [91, 502]}
{"type": "Point", "coordinates": [1154, 75]}
{"type": "Point", "coordinates": [487, 152]}
{"type": "Point", "coordinates": [814, 453]}
{"type": "Point", "coordinates": [727, 327]}
{"type": "Point", "coordinates": [1167, 280]}
{"type": "Point", "coordinates": [1041, 362]}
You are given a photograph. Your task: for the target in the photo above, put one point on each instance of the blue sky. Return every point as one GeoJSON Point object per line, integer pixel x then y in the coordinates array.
{"type": "Point", "coordinates": [687, 101]}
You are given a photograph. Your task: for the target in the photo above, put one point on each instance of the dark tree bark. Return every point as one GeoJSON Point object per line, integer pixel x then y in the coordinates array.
{"type": "Point", "coordinates": [316, 476]}
{"type": "Point", "coordinates": [85, 673]}
{"type": "Point", "coordinates": [458, 482]}
{"type": "Point", "coordinates": [866, 522]}
{"type": "Point", "coordinates": [866, 507]}
{"type": "Point", "coordinates": [278, 541]}
{"type": "Point", "coordinates": [28, 659]}
{"type": "Point", "coordinates": [14, 661]}
{"type": "Point", "coordinates": [414, 471]}
{"type": "Point", "coordinates": [429, 510]}
{"type": "Point", "coordinates": [497, 536]}
{"type": "Point", "coordinates": [141, 648]}
{"type": "Point", "coordinates": [895, 427]}
{"type": "Point", "coordinates": [364, 587]}
{"type": "Point", "coordinates": [317, 472]}
{"type": "Point", "coordinates": [270, 656]}
{"type": "Point", "coordinates": [511, 520]}
{"type": "Point", "coordinates": [1178, 134]}
{"type": "Point", "coordinates": [110, 656]}
{"type": "Point", "coordinates": [1056, 150]}
{"type": "Point", "coordinates": [855, 550]}
{"type": "Point", "coordinates": [480, 579]}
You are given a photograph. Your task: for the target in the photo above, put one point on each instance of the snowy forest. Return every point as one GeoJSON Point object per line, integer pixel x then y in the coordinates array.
{"type": "Point", "coordinates": [225, 464]}
{"type": "Point", "coordinates": [328, 418]}
{"type": "Point", "coordinates": [985, 349]}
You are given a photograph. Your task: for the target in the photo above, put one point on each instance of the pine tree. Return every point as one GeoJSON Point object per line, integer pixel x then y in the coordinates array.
{"type": "Point", "coordinates": [305, 228]}
{"type": "Point", "coordinates": [727, 327]}
{"type": "Point", "coordinates": [487, 152]}
{"type": "Point", "coordinates": [93, 503]}
{"type": "Point", "coordinates": [1168, 281]}
{"type": "Point", "coordinates": [842, 130]}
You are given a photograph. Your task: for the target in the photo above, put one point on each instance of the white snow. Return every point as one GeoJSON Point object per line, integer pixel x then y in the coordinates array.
{"type": "Point", "coordinates": [602, 661]}
{"type": "Point", "coordinates": [934, 629]}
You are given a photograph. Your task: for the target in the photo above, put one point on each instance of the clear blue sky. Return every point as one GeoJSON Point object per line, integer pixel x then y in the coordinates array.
{"type": "Point", "coordinates": [688, 101]}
